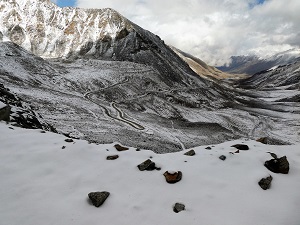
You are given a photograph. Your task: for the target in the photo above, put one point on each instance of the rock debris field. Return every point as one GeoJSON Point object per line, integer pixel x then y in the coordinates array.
{"type": "Point", "coordinates": [48, 179]}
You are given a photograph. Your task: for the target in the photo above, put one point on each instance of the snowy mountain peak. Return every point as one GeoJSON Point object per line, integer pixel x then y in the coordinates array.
{"type": "Point", "coordinates": [50, 31]}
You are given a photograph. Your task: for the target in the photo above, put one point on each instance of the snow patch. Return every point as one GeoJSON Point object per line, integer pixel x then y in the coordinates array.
{"type": "Point", "coordinates": [2, 105]}
{"type": "Point", "coordinates": [40, 178]}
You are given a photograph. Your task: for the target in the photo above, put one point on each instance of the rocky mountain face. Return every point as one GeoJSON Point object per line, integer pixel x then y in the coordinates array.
{"type": "Point", "coordinates": [49, 31]}
{"type": "Point", "coordinates": [254, 64]}
{"type": "Point", "coordinates": [19, 113]}
{"type": "Point", "coordinates": [110, 80]}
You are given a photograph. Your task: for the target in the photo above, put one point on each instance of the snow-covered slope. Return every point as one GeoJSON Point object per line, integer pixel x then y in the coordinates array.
{"type": "Point", "coordinates": [253, 64]}
{"type": "Point", "coordinates": [105, 101]}
{"type": "Point", "coordinates": [43, 182]}
{"type": "Point", "coordinates": [279, 77]}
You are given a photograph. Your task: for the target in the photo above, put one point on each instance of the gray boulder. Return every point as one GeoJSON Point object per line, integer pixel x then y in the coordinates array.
{"type": "Point", "coordinates": [112, 157]}
{"type": "Point", "coordinates": [98, 198]}
{"type": "Point", "coordinates": [265, 183]}
{"type": "Point", "coordinates": [121, 148]}
{"type": "Point", "coordinates": [147, 165]}
{"type": "Point", "coordinates": [190, 153]}
{"type": "Point", "coordinates": [222, 157]}
{"type": "Point", "coordinates": [278, 165]}
{"type": "Point", "coordinates": [178, 207]}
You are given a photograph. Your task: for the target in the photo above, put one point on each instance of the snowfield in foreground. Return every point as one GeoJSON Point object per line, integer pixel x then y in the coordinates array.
{"type": "Point", "coordinates": [44, 183]}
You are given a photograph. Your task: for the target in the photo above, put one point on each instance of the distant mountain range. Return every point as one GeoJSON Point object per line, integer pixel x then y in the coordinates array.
{"type": "Point", "coordinates": [253, 64]}
{"type": "Point", "coordinates": [93, 74]}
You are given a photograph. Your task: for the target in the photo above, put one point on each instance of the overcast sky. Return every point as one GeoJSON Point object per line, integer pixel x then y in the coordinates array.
{"type": "Point", "coordinates": [213, 30]}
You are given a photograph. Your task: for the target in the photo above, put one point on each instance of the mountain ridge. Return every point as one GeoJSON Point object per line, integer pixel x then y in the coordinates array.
{"type": "Point", "coordinates": [135, 89]}
{"type": "Point", "coordinates": [253, 64]}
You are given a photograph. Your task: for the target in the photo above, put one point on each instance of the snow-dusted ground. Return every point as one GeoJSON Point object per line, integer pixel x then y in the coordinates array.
{"type": "Point", "coordinates": [41, 183]}
{"type": "Point", "coordinates": [2, 105]}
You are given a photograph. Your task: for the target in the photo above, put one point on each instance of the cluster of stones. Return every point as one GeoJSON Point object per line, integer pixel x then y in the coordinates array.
{"type": "Point", "coordinates": [276, 165]}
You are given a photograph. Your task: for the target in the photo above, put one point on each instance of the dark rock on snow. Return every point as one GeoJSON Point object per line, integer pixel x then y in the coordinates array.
{"type": "Point", "coordinates": [98, 198]}
{"type": "Point", "coordinates": [265, 183]}
{"type": "Point", "coordinates": [222, 157]}
{"type": "Point", "coordinates": [121, 148]}
{"type": "Point", "coordinates": [112, 157]}
{"type": "Point", "coordinates": [5, 113]}
{"type": "Point", "coordinates": [69, 140]}
{"type": "Point", "coordinates": [172, 178]}
{"type": "Point", "coordinates": [178, 207]}
{"type": "Point", "coordinates": [241, 147]}
{"type": "Point", "coordinates": [147, 165]}
{"type": "Point", "coordinates": [190, 153]}
{"type": "Point", "coordinates": [279, 165]}
{"type": "Point", "coordinates": [208, 148]}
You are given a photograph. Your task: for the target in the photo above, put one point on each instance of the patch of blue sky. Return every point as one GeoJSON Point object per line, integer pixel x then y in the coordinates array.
{"type": "Point", "coordinates": [255, 3]}
{"type": "Point", "coordinates": [65, 3]}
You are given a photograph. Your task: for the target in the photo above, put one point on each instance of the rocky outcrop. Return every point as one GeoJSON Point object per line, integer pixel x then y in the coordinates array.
{"type": "Point", "coordinates": [20, 113]}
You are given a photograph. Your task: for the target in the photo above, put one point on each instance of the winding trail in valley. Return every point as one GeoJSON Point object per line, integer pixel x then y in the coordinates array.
{"type": "Point", "coordinates": [120, 114]}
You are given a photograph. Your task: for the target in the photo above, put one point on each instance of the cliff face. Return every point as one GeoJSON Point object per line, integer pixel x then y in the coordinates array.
{"type": "Point", "coordinates": [50, 31]}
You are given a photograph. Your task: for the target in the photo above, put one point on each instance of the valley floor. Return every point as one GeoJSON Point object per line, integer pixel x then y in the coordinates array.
{"type": "Point", "coordinates": [43, 182]}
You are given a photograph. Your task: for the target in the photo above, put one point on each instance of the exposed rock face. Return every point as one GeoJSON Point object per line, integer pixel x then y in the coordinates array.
{"type": "Point", "coordinates": [98, 198]}
{"type": "Point", "coordinates": [20, 113]}
{"type": "Point", "coordinates": [173, 177]}
{"type": "Point", "coordinates": [265, 183]}
{"type": "Point", "coordinates": [279, 165]}
{"type": "Point", "coordinates": [50, 31]}
{"type": "Point", "coordinates": [147, 165]}
{"type": "Point", "coordinates": [178, 207]}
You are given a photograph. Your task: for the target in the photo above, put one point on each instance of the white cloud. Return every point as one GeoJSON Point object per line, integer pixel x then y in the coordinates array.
{"type": "Point", "coordinates": [214, 30]}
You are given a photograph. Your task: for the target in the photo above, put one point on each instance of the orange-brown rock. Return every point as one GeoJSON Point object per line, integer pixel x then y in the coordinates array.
{"type": "Point", "coordinates": [172, 178]}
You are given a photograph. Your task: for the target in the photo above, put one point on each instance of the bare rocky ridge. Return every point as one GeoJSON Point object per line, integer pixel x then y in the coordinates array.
{"type": "Point", "coordinates": [49, 31]}
{"type": "Point", "coordinates": [114, 81]}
